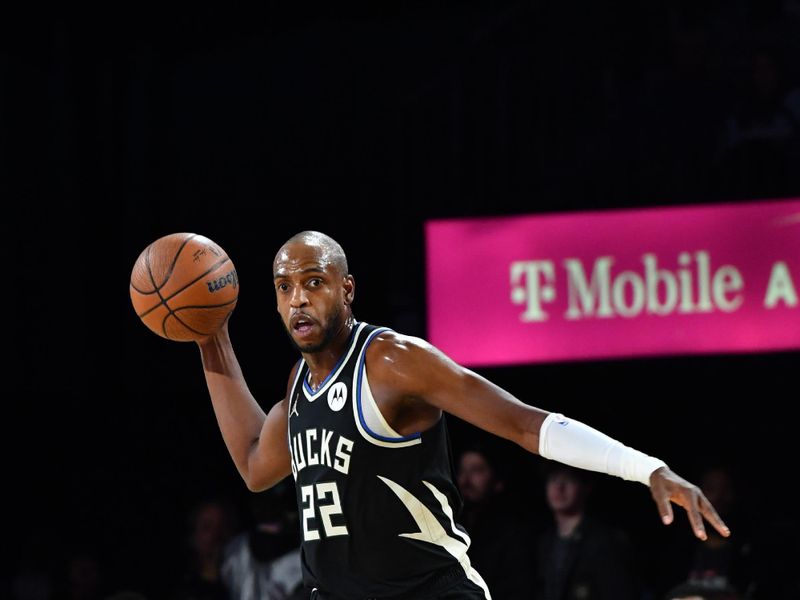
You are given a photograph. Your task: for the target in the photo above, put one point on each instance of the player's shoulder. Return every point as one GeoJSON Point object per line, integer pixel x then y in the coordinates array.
{"type": "Point", "coordinates": [389, 340]}
{"type": "Point", "coordinates": [392, 347]}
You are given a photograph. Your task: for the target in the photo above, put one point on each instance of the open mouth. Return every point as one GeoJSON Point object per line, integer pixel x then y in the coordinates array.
{"type": "Point", "coordinates": [302, 323]}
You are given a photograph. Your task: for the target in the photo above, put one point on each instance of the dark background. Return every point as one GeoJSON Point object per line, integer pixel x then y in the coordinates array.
{"type": "Point", "coordinates": [248, 124]}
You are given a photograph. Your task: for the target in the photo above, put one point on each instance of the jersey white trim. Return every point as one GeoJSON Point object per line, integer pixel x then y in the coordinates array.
{"type": "Point", "coordinates": [293, 409]}
{"type": "Point", "coordinates": [431, 530]}
{"type": "Point", "coordinates": [367, 415]}
{"type": "Point", "coordinates": [334, 374]}
{"type": "Point", "coordinates": [447, 510]}
{"type": "Point", "coordinates": [373, 418]}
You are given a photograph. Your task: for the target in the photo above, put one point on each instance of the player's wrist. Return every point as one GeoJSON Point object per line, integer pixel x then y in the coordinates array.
{"type": "Point", "coordinates": [633, 465]}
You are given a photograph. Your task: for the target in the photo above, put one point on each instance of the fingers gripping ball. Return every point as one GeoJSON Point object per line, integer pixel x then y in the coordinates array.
{"type": "Point", "coordinates": [184, 286]}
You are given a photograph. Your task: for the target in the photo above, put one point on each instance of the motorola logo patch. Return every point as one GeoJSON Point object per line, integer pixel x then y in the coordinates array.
{"type": "Point", "coordinates": [337, 396]}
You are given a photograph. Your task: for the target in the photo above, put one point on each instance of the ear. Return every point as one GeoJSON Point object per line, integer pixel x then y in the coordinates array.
{"type": "Point", "coordinates": [349, 289]}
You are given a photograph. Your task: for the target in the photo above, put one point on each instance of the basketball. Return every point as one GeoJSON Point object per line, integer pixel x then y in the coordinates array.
{"type": "Point", "coordinates": [184, 286]}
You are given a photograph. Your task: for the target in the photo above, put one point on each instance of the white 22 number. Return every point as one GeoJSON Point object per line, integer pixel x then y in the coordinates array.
{"type": "Point", "coordinates": [324, 489]}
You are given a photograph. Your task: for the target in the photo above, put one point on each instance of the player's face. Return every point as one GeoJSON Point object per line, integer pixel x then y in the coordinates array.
{"type": "Point", "coordinates": [312, 295]}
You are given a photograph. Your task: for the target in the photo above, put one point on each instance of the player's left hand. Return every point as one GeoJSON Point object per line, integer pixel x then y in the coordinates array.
{"type": "Point", "coordinates": [666, 487]}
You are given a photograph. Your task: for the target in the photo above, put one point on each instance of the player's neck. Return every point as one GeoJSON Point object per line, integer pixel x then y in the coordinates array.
{"type": "Point", "coordinates": [321, 363]}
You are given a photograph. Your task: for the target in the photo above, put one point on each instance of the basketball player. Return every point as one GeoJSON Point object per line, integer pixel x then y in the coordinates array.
{"type": "Point", "coordinates": [362, 431]}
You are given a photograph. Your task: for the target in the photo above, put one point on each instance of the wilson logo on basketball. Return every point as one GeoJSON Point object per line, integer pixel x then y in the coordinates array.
{"type": "Point", "coordinates": [217, 284]}
{"type": "Point", "coordinates": [201, 252]}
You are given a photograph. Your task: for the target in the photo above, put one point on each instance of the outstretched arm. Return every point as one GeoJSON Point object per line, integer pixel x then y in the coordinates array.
{"type": "Point", "coordinates": [575, 443]}
{"type": "Point", "coordinates": [414, 372]}
{"type": "Point", "coordinates": [257, 442]}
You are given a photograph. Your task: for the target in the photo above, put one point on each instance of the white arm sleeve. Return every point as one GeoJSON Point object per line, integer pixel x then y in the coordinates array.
{"type": "Point", "coordinates": [573, 443]}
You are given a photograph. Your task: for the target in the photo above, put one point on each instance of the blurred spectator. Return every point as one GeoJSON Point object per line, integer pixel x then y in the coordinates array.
{"type": "Point", "coordinates": [32, 578]}
{"type": "Point", "coordinates": [761, 134]}
{"type": "Point", "coordinates": [699, 591]}
{"type": "Point", "coordinates": [720, 562]}
{"type": "Point", "coordinates": [579, 556]}
{"type": "Point", "coordinates": [499, 530]}
{"type": "Point", "coordinates": [792, 8]}
{"type": "Point", "coordinates": [776, 559]}
{"type": "Point", "coordinates": [126, 595]}
{"type": "Point", "coordinates": [82, 576]}
{"type": "Point", "coordinates": [211, 527]}
{"type": "Point", "coordinates": [263, 562]}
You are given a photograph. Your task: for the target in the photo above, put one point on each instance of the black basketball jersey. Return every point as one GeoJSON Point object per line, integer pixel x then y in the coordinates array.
{"type": "Point", "coordinates": [376, 508]}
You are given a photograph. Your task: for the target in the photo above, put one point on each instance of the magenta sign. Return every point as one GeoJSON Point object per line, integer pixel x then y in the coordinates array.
{"type": "Point", "coordinates": [659, 281]}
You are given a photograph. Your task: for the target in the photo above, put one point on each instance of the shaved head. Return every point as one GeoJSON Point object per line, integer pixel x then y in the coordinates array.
{"type": "Point", "coordinates": [314, 291]}
{"type": "Point", "coordinates": [330, 251]}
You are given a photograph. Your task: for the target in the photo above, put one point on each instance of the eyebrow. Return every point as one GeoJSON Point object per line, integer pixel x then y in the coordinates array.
{"type": "Point", "coordinates": [279, 275]}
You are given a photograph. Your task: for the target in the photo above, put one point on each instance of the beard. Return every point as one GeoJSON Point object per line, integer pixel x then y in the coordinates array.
{"type": "Point", "coordinates": [335, 323]}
